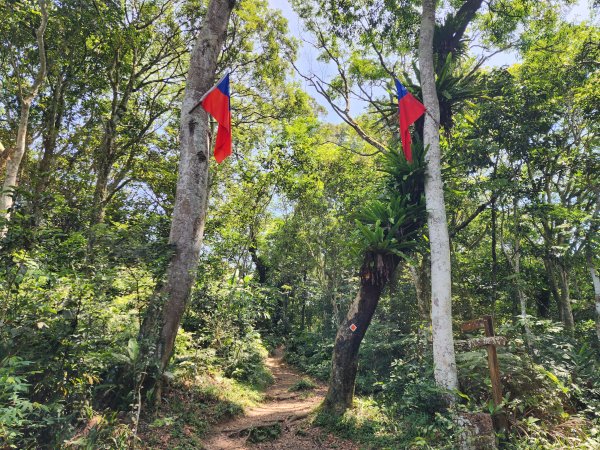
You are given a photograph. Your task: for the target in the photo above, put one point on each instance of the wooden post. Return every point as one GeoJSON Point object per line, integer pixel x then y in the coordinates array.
{"type": "Point", "coordinates": [500, 418]}
{"type": "Point", "coordinates": [493, 362]}
{"type": "Point", "coordinates": [486, 322]}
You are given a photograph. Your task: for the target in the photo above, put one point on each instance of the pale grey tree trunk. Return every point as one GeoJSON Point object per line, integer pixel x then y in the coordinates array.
{"type": "Point", "coordinates": [441, 296]}
{"type": "Point", "coordinates": [164, 315]}
{"type": "Point", "coordinates": [565, 297]}
{"type": "Point", "coordinates": [515, 262]}
{"type": "Point", "coordinates": [16, 156]}
{"type": "Point", "coordinates": [596, 282]}
{"type": "Point", "coordinates": [593, 230]}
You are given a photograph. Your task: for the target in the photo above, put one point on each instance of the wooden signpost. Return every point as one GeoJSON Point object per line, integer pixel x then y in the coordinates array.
{"type": "Point", "coordinates": [490, 341]}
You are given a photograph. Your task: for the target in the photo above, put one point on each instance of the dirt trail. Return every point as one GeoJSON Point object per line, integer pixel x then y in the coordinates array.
{"type": "Point", "coordinates": [288, 409]}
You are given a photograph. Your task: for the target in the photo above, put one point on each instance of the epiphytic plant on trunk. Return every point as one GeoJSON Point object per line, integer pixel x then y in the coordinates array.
{"type": "Point", "coordinates": [388, 230]}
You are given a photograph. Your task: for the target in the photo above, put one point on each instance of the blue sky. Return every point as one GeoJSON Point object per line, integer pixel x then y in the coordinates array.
{"type": "Point", "coordinates": [307, 63]}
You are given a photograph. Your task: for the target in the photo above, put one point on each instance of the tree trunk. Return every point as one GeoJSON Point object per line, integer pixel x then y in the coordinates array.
{"type": "Point", "coordinates": [543, 303]}
{"type": "Point", "coordinates": [303, 313]}
{"type": "Point", "coordinates": [549, 266]}
{"type": "Point", "coordinates": [565, 299]}
{"type": "Point", "coordinates": [596, 282]}
{"type": "Point", "coordinates": [162, 320]}
{"type": "Point", "coordinates": [105, 154]}
{"type": "Point", "coordinates": [15, 158]}
{"type": "Point", "coordinates": [421, 280]}
{"type": "Point", "coordinates": [347, 342]}
{"type": "Point", "coordinates": [4, 154]}
{"type": "Point", "coordinates": [593, 230]}
{"type": "Point", "coordinates": [441, 297]}
{"type": "Point", "coordinates": [514, 262]}
{"type": "Point", "coordinates": [12, 166]}
{"type": "Point", "coordinates": [100, 193]}
{"type": "Point", "coordinates": [259, 262]}
{"type": "Point", "coordinates": [494, 254]}
{"type": "Point", "coordinates": [522, 297]}
{"type": "Point", "coordinates": [98, 212]}
{"type": "Point", "coordinates": [345, 352]}
{"type": "Point", "coordinates": [53, 120]}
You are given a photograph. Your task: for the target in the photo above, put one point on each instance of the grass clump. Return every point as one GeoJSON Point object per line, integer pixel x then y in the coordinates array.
{"type": "Point", "coordinates": [305, 384]}
{"type": "Point", "coordinates": [366, 424]}
{"type": "Point", "coordinates": [266, 433]}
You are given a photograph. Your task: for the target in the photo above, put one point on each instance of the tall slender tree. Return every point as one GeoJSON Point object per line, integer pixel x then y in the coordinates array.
{"type": "Point", "coordinates": [163, 317]}
{"type": "Point", "coordinates": [26, 96]}
{"type": "Point", "coordinates": [592, 266]}
{"type": "Point", "coordinates": [441, 289]}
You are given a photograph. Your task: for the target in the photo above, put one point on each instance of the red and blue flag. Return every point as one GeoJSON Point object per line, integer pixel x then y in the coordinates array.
{"type": "Point", "coordinates": [217, 103]}
{"type": "Point", "coordinates": [409, 110]}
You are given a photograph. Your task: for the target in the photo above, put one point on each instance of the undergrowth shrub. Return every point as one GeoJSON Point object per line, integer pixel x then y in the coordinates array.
{"type": "Point", "coordinates": [17, 411]}
{"type": "Point", "coordinates": [63, 331]}
{"type": "Point", "coordinates": [551, 395]}
{"type": "Point", "coordinates": [554, 391]}
{"type": "Point", "coordinates": [305, 384]}
{"type": "Point", "coordinates": [310, 353]}
{"type": "Point", "coordinates": [244, 360]}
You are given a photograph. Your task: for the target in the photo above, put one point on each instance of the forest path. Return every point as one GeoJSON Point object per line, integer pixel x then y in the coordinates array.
{"type": "Point", "coordinates": [282, 409]}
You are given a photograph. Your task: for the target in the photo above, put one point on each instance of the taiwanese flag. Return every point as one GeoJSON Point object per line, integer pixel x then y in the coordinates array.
{"type": "Point", "coordinates": [216, 102]}
{"type": "Point", "coordinates": [409, 110]}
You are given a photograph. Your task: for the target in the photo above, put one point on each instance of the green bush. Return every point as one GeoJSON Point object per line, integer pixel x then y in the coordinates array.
{"type": "Point", "coordinates": [244, 360]}
{"type": "Point", "coordinates": [305, 384]}
{"type": "Point", "coordinates": [66, 333]}
{"type": "Point", "coordinates": [17, 412]}
{"type": "Point", "coordinates": [310, 353]}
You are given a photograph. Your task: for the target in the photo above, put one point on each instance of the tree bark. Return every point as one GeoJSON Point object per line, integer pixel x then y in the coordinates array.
{"type": "Point", "coordinates": [441, 297]}
{"type": "Point", "coordinates": [162, 320]}
{"type": "Point", "coordinates": [259, 262]}
{"type": "Point", "coordinates": [542, 302]}
{"type": "Point", "coordinates": [105, 155]}
{"type": "Point", "coordinates": [596, 283]}
{"type": "Point", "coordinates": [103, 169]}
{"type": "Point", "coordinates": [14, 159]}
{"type": "Point", "coordinates": [515, 262]}
{"type": "Point", "coordinates": [421, 280]}
{"type": "Point", "coordinates": [494, 254]}
{"type": "Point", "coordinates": [593, 230]}
{"type": "Point", "coordinates": [459, 23]}
{"type": "Point", "coordinates": [565, 298]}
{"type": "Point", "coordinates": [549, 266]}
{"type": "Point", "coordinates": [347, 342]}
{"type": "Point", "coordinates": [53, 116]}
{"type": "Point", "coordinates": [345, 352]}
